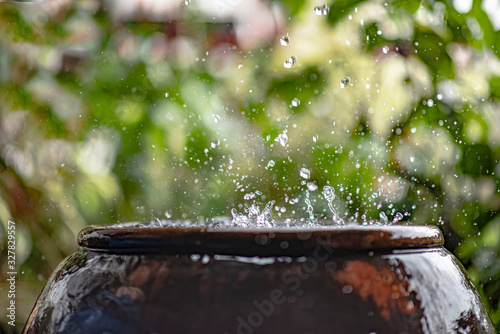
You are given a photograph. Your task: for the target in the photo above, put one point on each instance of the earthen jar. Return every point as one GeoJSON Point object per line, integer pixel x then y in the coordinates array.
{"type": "Point", "coordinates": [352, 279]}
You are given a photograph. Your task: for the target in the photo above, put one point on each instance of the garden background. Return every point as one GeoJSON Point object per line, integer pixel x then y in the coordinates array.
{"type": "Point", "coordinates": [115, 111]}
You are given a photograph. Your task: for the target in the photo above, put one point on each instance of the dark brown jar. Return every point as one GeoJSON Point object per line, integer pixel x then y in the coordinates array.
{"type": "Point", "coordinates": [352, 279]}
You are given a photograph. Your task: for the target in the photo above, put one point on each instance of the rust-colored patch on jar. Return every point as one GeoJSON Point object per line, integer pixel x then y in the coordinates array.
{"type": "Point", "coordinates": [382, 285]}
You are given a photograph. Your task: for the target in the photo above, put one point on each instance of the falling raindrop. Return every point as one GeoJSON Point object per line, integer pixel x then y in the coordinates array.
{"type": "Point", "coordinates": [290, 62]}
{"type": "Point", "coordinates": [166, 94]}
{"type": "Point", "coordinates": [305, 173]}
{"type": "Point", "coordinates": [187, 2]}
{"type": "Point", "coordinates": [345, 81]}
{"type": "Point", "coordinates": [285, 40]}
{"type": "Point", "coordinates": [295, 102]}
{"type": "Point", "coordinates": [321, 10]}
{"type": "Point", "coordinates": [215, 143]}
{"type": "Point", "coordinates": [315, 138]}
{"type": "Point", "coordinates": [216, 118]}
{"type": "Point", "coordinates": [168, 214]}
{"type": "Point", "coordinates": [283, 139]}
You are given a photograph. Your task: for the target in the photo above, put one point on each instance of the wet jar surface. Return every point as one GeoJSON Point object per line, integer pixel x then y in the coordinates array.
{"type": "Point", "coordinates": [353, 279]}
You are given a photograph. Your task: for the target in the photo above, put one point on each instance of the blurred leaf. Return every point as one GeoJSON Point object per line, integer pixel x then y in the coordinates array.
{"type": "Point", "coordinates": [476, 159]}
{"type": "Point", "coordinates": [410, 6]}
{"type": "Point", "coordinates": [303, 86]}
{"type": "Point", "coordinates": [295, 6]}
{"type": "Point", "coordinates": [340, 8]}
{"type": "Point", "coordinates": [495, 87]}
{"type": "Point", "coordinates": [196, 143]}
{"type": "Point", "coordinates": [431, 48]}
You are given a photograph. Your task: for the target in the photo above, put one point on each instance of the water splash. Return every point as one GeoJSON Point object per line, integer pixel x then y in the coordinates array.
{"type": "Point", "coordinates": [329, 194]}
{"type": "Point", "coordinates": [254, 216]}
{"type": "Point", "coordinates": [399, 216]}
{"type": "Point", "coordinates": [310, 220]}
{"type": "Point", "coordinates": [383, 218]}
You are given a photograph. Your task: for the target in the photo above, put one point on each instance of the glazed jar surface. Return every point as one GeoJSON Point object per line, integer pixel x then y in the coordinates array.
{"type": "Point", "coordinates": [353, 279]}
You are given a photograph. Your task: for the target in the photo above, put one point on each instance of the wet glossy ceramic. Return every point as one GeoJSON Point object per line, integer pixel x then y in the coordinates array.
{"type": "Point", "coordinates": [353, 279]}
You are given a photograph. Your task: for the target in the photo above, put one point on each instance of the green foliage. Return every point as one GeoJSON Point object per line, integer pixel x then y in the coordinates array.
{"type": "Point", "coordinates": [106, 119]}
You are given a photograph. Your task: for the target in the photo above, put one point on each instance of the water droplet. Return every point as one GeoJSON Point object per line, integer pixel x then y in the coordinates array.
{"type": "Point", "coordinates": [249, 196]}
{"type": "Point", "coordinates": [283, 139]}
{"type": "Point", "coordinates": [430, 103]}
{"type": "Point", "coordinates": [234, 212]}
{"type": "Point", "coordinates": [305, 173]}
{"type": "Point", "coordinates": [168, 214]}
{"type": "Point", "coordinates": [311, 186]}
{"type": "Point", "coordinates": [345, 81]}
{"type": "Point", "coordinates": [290, 62]}
{"type": "Point", "coordinates": [215, 143]}
{"type": "Point", "coordinates": [399, 216]}
{"type": "Point", "coordinates": [439, 96]}
{"type": "Point", "coordinates": [412, 158]}
{"type": "Point", "coordinates": [321, 10]}
{"type": "Point", "coordinates": [347, 289]}
{"type": "Point", "coordinates": [187, 2]}
{"type": "Point", "coordinates": [166, 94]}
{"type": "Point", "coordinates": [270, 163]}
{"type": "Point", "coordinates": [309, 209]}
{"type": "Point", "coordinates": [315, 138]}
{"type": "Point", "coordinates": [383, 217]}
{"type": "Point", "coordinates": [295, 102]}
{"type": "Point", "coordinates": [285, 40]}
{"type": "Point", "coordinates": [329, 194]}
{"type": "Point", "coordinates": [216, 118]}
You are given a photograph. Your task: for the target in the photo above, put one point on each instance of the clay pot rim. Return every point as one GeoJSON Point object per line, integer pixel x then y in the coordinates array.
{"type": "Point", "coordinates": [293, 241]}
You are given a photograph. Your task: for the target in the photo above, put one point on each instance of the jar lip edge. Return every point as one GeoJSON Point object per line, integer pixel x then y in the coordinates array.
{"type": "Point", "coordinates": [238, 240]}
